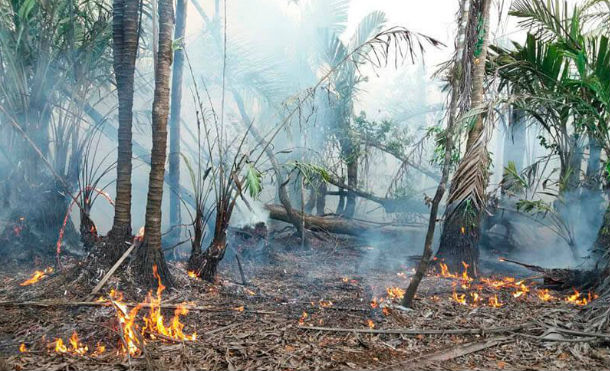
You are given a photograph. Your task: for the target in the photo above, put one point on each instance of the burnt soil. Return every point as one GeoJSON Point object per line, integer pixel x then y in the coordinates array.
{"type": "Point", "coordinates": [266, 334]}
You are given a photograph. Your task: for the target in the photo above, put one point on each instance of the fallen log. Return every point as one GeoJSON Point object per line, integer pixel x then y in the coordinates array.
{"type": "Point", "coordinates": [563, 278]}
{"type": "Point", "coordinates": [339, 225]}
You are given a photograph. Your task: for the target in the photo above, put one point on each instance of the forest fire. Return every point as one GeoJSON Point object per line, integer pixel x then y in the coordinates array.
{"type": "Point", "coordinates": [304, 316]}
{"type": "Point", "coordinates": [518, 289]}
{"type": "Point", "coordinates": [329, 192]}
{"type": "Point", "coordinates": [395, 292]}
{"type": "Point", "coordinates": [140, 235]}
{"type": "Point", "coordinates": [578, 299]}
{"type": "Point", "coordinates": [132, 334]}
{"type": "Point", "coordinates": [37, 276]}
{"type": "Point", "coordinates": [76, 347]}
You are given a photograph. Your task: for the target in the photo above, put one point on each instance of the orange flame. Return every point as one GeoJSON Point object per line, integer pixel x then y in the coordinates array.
{"type": "Point", "coordinates": [522, 290]}
{"type": "Point", "coordinates": [140, 235]}
{"type": "Point", "coordinates": [192, 274]}
{"type": "Point", "coordinates": [494, 302]}
{"type": "Point", "coordinates": [545, 295]}
{"type": "Point", "coordinates": [37, 276]}
{"type": "Point", "coordinates": [370, 323]}
{"type": "Point", "coordinates": [395, 292]}
{"type": "Point", "coordinates": [459, 298]}
{"type": "Point", "coordinates": [154, 323]}
{"type": "Point", "coordinates": [576, 298]}
{"type": "Point", "coordinates": [22, 348]}
{"type": "Point", "coordinates": [303, 318]}
{"type": "Point", "coordinates": [374, 303]}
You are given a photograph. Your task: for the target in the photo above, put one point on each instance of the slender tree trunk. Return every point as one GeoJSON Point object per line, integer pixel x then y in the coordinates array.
{"type": "Point", "coordinates": [466, 202]}
{"type": "Point", "coordinates": [174, 123]}
{"type": "Point", "coordinates": [422, 267]}
{"type": "Point", "coordinates": [352, 182]}
{"type": "Point", "coordinates": [125, 30]}
{"type": "Point", "coordinates": [149, 253]}
{"type": "Point", "coordinates": [321, 199]}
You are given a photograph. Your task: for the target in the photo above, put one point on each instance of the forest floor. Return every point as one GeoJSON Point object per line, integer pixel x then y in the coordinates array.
{"type": "Point", "coordinates": [304, 309]}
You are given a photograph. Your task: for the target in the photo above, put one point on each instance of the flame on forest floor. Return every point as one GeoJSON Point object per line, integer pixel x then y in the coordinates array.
{"type": "Point", "coordinates": [74, 346]}
{"type": "Point", "coordinates": [303, 318]}
{"type": "Point", "coordinates": [37, 276]}
{"type": "Point", "coordinates": [395, 292]}
{"type": "Point", "coordinates": [192, 274]}
{"type": "Point", "coordinates": [133, 333]}
{"type": "Point", "coordinates": [23, 348]}
{"type": "Point", "coordinates": [494, 302]}
{"type": "Point", "coordinates": [325, 303]}
{"type": "Point", "coordinates": [518, 289]}
{"type": "Point", "coordinates": [578, 299]}
{"type": "Point", "coordinates": [370, 323]}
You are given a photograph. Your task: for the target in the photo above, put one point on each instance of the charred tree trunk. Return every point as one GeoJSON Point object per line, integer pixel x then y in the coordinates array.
{"type": "Point", "coordinates": [352, 182]}
{"type": "Point", "coordinates": [174, 123]}
{"type": "Point", "coordinates": [125, 35]}
{"type": "Point", "coordinates": [195, 258]}
{"type": "Point", "coordinates": [311, 200]}
{"type": "Point", "coordinates": [466, 203]}
{"type": "Point", "coordinates": [341, 203]}
{"type": "Point", "coordinates": [205, 265]}
{"type": "Point", "coordinates": [321, 199]}
{"type": "Point", "coordinates": [150, 254]}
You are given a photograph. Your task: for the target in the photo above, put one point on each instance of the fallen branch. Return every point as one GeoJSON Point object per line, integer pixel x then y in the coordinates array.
{"type": "Point", "coordinates": [464, 349]}
{"type": "Point", "coordinates": [470, 331]}
{"type": "Point", "coordinates": [338, 224]}
{"type": "Point", "coordinates": [51, 304]}
{"type": "Point", "coordinates": [99, 286]}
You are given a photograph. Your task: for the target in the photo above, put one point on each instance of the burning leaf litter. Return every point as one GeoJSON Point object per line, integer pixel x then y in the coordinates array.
{"type": "Point", "coordinates": [133, 334]}
{"type": "Point", "coordinates": [518, 289]}
{"type": "Point", "coordinates": [37, 276]}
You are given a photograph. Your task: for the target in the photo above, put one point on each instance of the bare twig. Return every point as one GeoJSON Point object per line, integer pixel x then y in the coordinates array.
{"type": "Point", "coordinates": [470, 331]}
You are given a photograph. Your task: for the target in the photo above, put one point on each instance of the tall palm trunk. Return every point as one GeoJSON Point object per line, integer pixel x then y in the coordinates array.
{"type": "Point", "coordinates": [149, 253]}
{"type": "Point", "coordinates": [461, 230]}
{"type": "Point", "coordinates": [125, 32]}
{"type": "Point", "coordinates": [174, 123]}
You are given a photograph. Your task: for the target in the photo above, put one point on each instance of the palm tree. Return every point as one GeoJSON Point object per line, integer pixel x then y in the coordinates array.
{"type": "Point", "coordinates": [49, 54]}
{"type": "Point", "coordinates": [149, 253]}
{"type": "Point", "coordinates": [125, 35]}
{"type": "Point", "coordinates": [461, 229]}
{"type": "Point", "coordinates": [563, 76]}
{"type": "Point", "coordinates": [342, 108]}
{"type": "Point", "coordinates": [174, 123]}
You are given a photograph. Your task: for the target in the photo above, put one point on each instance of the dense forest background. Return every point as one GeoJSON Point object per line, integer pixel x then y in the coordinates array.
{"type": "Point", "coordinates": [151, 138]}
